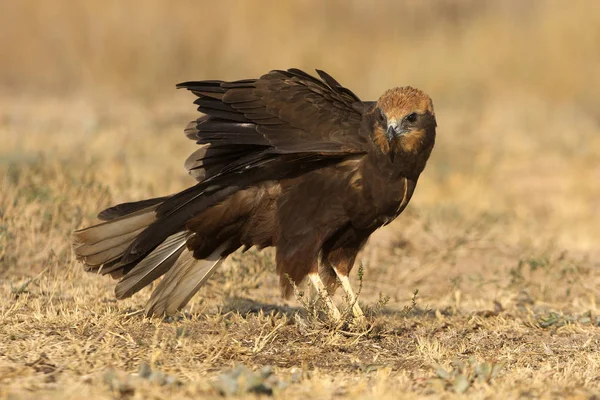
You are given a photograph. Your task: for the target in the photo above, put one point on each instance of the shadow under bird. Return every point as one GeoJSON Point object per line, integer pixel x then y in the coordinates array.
{"type": "Point", "coordinates": [286, 160]}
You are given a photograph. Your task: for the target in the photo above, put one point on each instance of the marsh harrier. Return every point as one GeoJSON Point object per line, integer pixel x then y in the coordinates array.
{"type": "Point", "coordinates": [286, 160]}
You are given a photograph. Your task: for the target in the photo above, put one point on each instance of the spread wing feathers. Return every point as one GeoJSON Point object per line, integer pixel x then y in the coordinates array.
{"type": "Point", "coordinates": [208, 161]}
{"type": "Point", "coordinates": [183, 281]}
{"type": "Point", "coordinates": [280, 113]}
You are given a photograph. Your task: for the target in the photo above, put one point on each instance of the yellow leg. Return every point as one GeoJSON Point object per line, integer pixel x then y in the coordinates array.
{"type": "Point", "coordinates": [358, 313]}
{"type": "Point", "coordinates": [320, 288]}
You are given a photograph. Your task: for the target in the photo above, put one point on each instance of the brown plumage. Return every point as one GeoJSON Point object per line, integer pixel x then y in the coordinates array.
{"type": "Point", "coordinates": [287, 160]}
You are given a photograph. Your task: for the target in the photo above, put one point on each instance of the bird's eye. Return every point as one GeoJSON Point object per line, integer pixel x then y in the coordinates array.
{"type": "Point", "coordinates": [381, 116]}
{"type": "Point", "coordinates": [411, 117]}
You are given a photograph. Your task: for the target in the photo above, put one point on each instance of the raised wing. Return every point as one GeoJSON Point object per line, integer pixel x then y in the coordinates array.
{"type": "Point", "coordinates": [282, 112]}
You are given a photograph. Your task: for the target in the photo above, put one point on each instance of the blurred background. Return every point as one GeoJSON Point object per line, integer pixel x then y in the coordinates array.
{"type": "Point", "coordinates": [89, 114]}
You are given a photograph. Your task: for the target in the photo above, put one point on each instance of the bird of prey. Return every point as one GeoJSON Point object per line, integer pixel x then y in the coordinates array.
{"type": "Point", "coordinates": [286, 160]}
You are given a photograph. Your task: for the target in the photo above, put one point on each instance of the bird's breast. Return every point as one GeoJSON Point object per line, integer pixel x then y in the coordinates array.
{"type": "Point", "coordinates": [378, 199]}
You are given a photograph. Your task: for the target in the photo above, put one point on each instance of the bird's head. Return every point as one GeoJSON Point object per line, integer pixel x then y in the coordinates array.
{"type": "Point", "coordinates": [404, 122]}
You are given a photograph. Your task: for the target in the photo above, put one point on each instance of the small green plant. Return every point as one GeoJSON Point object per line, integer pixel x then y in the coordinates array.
{"type": "Point", "coordinates": [317, 313]}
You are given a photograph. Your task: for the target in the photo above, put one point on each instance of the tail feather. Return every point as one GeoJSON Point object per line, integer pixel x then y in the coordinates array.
{"type": "Point", "coordinates": [183, 281]}
{"type": "Point", "coordinates": [153, 266]}
{"type": "Point", "coordinates": [106, 256]}
{"type": "Point", "coordinates": [116, 227]}
{"type": "Point", "coordinates": [105, 243]}
{"type": "Point", "coordinates": [85, 250]}
{"type": "Point", "coordinates": [103, 248]}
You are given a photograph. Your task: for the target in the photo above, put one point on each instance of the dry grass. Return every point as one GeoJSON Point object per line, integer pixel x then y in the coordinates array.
{"type": "Point", "coordinates": [500, 240]}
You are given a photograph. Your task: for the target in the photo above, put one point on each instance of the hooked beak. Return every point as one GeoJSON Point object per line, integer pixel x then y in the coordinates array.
{"type": "Point", "coordinates": [393, 132]}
